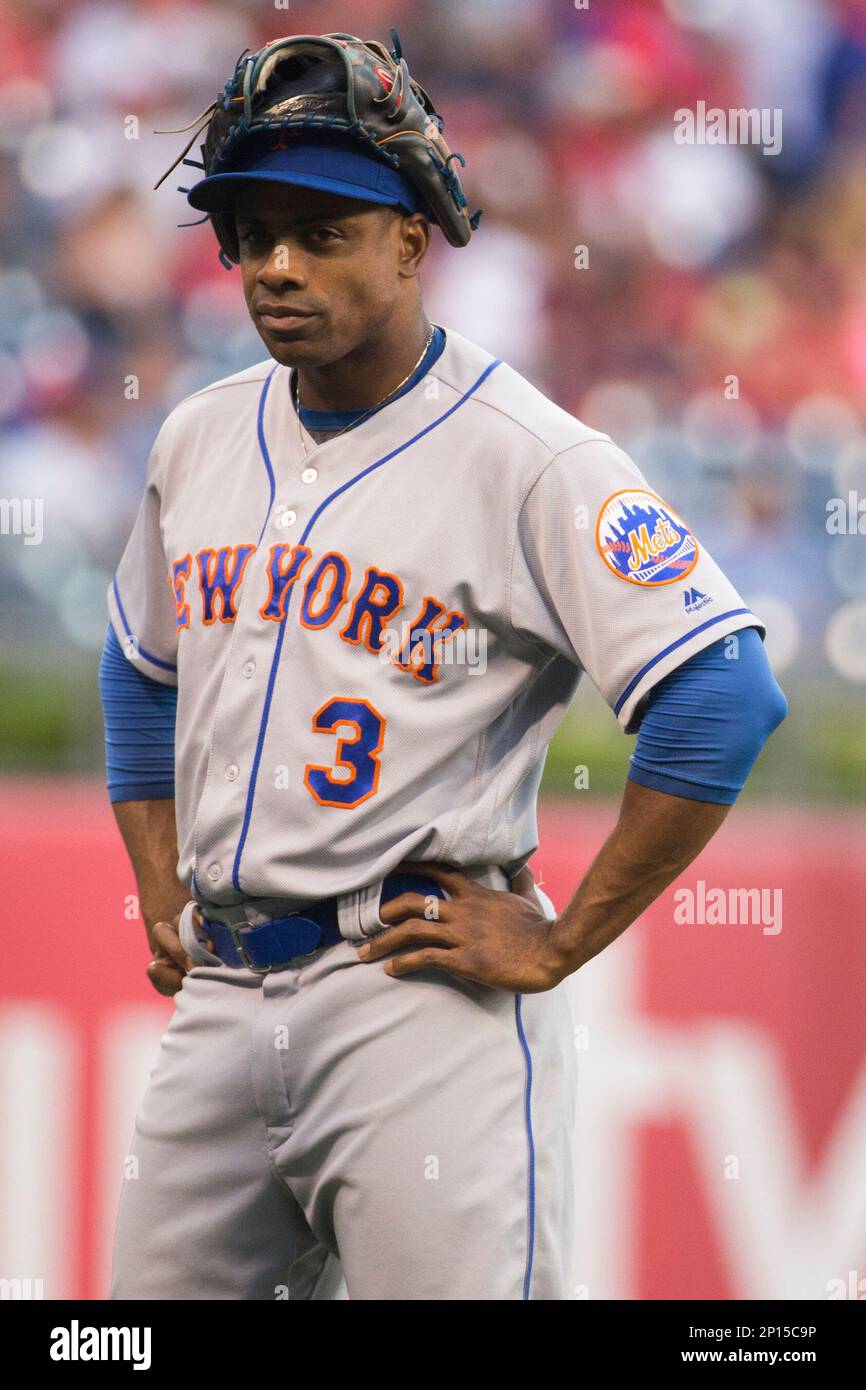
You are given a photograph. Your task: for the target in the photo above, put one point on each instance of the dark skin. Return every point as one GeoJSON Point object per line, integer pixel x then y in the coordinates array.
{"type": "Point", "coordinates": [150, 834]}
{"type": "Point", "coordinates": [505, 940]}
{"type": "Point", "coordinates": [354, 267]}
{"type": "Point", "coordinates": [494, 938]}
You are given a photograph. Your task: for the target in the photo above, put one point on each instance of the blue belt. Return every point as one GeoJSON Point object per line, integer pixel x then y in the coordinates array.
{"type": "Point", "coordinates": [276, 942]}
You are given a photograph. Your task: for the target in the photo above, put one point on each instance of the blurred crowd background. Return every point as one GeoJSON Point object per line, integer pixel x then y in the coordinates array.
{"type": "Point", "coordinates": [706, 306]}
{"type": "Point", "coordinates": [717, 329]}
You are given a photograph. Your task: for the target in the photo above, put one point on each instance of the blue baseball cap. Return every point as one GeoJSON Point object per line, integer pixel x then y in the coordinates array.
{"type": "Point", "coordinates": [333, 166]}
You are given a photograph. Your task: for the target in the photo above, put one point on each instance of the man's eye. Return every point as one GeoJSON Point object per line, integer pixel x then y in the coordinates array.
{"type": "Point", "coordinates": [323, 234]}
{"type": "Point", "coordinates": [255, 235]}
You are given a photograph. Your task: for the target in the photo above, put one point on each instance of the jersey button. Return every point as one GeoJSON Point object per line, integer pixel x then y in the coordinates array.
{"type": "Point", "coordinates": [232, 772]}
{"type": "Point", "coordinates": [249, 669]}
{"type": "Point", "coordinates": [309, 475]}
{"type": "Point", "coordinates": [285, 518]}
{"type": "Point", "coordinates": [214, 872]}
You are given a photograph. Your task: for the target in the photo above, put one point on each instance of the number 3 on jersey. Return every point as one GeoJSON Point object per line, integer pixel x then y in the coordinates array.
{"type": "Point", "coordinates": [359, 756]}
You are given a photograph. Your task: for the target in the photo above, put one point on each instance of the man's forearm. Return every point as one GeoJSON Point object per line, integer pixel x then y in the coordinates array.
{"type": "Point", "coordinates": [149, 832]}
{"type": "Point", "coordinates": [655, 838]}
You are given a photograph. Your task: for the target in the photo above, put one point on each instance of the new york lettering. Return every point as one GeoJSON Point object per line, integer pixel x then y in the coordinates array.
{"type": "Point", "coordinates": [326, 594]}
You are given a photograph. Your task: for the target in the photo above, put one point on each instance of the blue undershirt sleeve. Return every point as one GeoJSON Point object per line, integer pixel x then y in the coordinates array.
{"type": "Point", "coordinates": [139, 717]}
{"type": "Point", "coordinates": [706, 722]}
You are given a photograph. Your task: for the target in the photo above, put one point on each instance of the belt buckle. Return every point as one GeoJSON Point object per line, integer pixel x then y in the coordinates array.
{"type": "Point", "coordinates": [235, 928]}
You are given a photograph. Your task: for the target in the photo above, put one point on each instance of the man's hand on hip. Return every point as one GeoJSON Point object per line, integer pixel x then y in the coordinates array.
{"type": "Point", "coordinates": [496, 938]}
{"type": "Point", "coordinates": [170, 961]}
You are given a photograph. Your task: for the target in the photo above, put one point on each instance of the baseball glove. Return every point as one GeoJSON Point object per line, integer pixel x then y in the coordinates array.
{"type": "Point", "coordinates": [343, 85]}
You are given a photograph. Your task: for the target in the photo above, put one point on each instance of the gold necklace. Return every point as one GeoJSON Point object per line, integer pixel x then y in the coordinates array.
{"type": "Point", "coordinates": [375, 406]}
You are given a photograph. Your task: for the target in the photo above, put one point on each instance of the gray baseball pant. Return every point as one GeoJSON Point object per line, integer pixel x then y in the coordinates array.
{"type": "Point", "coordinates": [327, 1122]}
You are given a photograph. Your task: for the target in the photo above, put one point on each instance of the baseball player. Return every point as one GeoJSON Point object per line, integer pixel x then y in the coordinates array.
{"type": "Point", "coordinates": [365, 578]}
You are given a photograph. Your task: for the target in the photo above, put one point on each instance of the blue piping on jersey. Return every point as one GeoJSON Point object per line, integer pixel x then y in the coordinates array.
{"type": "Point", "coordinates": [687, 637]}
{"type": "Point", "coordinates": [272, 676]}
{"type": "Point", "coordinates": [527, 1114]}
{"type": "Point", "coordinates": [342, 419]}
{"type": "Point", "coordinates": [260, 430]}
{"type": "Point", "coordinates": [387, 457]}
{"type": "Point", "coordinates": [142, 651]}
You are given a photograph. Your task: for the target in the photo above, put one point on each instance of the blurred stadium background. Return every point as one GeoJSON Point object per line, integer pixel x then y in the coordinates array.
{"type": "Point", "coordinates": [705, 263]}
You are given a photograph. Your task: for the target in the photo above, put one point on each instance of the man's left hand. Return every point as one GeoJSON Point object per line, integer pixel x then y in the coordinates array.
{"type": "Point", "coordinates": [496, 938]}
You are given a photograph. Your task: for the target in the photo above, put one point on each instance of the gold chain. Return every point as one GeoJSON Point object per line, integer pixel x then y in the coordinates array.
{"type": "Point", "coordinates": [375, 406]}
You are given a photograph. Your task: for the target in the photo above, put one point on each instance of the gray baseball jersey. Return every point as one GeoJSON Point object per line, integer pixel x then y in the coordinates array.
{"type": "Point", "coordinates": [375, 640]}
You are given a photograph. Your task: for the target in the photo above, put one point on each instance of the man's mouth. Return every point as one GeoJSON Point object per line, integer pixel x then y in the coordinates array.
{"type": "Point", "coordinates": [282, 318]}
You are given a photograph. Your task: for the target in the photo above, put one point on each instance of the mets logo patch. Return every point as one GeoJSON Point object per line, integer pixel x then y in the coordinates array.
{"type": "Point", "coordinates": [643, 540]}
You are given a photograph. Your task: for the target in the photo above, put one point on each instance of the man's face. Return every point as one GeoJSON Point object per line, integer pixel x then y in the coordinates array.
{"type": "Point", "coordinates": [321, 273]}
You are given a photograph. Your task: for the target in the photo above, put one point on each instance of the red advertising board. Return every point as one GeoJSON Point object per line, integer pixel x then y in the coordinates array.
{"type": "Point", "coordinates": [720, 1046]}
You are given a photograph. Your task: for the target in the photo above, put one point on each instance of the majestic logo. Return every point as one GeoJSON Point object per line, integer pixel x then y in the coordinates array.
{"type": "Point", "coordinates": [642, 540]}
{"type": "Point", "coordinates": [694, 600]}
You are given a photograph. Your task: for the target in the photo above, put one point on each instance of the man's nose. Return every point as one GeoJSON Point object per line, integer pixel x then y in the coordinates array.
{"type": "Point", "coordinates": [284, 266]}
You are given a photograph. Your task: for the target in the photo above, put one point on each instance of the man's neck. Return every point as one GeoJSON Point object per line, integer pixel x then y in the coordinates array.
{"type": "Point", "coordinates": [369, 373]}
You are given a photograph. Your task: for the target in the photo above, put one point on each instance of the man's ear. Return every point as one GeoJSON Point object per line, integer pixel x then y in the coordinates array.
{"type": "Point", "coordinates": [415, 237]}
